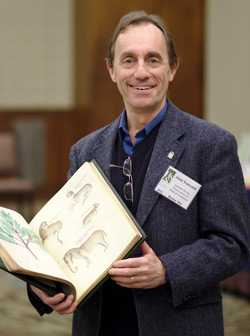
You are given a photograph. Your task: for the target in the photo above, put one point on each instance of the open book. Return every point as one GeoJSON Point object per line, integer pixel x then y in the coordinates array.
{"type": "Point", "coordinates": [73, 241]}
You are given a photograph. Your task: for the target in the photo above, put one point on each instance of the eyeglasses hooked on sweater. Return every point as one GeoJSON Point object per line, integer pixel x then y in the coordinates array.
{"type": "Point", "coordinates": [127, 171]}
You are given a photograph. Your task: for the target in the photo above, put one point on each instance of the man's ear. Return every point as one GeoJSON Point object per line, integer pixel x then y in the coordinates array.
{"type": "Point", "coordinates": [174, 69]}
{"type": "Point", "coordinates": [111, 70]}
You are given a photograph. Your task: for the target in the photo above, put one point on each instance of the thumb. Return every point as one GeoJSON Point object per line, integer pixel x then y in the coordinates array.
{"type": "Point", "coordinates": [146, 249]}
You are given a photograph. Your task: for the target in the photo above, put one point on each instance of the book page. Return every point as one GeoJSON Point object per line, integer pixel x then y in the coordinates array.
{"type": "Point", "coordinates": [85, 228]}
{"type": "Point", "coordinates": [18, 241]}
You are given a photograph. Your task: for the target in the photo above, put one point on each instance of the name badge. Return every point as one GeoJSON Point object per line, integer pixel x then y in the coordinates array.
{"type": "Point", "coordinates": [178, 187]}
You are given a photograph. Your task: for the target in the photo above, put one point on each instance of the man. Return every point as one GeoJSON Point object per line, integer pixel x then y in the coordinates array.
{"type": "Point", "coordinates": [170, 286]}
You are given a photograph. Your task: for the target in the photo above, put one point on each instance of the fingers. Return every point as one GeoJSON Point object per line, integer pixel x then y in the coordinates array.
{"type": "Point", "coordinates": [143, 272]}
{"type": "Point", "coordinates": [129, 282]}
{"type": "Point", "coordinates": [42, 295]}
{"type": "Point", "coordinates": [57, 301]}
{"type": "Point", "coordinates": [146, 248]}
{"type": "Point", "coordinates": [63, 307]}
{"type": "Point", "coordinates": [148, 253]}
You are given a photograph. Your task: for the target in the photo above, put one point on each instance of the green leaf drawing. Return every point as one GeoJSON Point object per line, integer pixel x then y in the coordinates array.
{"type": "Point", "coordinates": [8, 239]}
{"type": "Point", "coordinates": [12, 232]}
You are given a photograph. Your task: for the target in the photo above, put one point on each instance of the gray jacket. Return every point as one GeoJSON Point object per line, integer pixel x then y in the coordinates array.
{"type": "Point", "coordinates": [199, 246]}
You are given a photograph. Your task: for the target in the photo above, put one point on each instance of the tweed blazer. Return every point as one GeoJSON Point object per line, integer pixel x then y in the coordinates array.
{"type": "Point", "coordinates": [199, 246]}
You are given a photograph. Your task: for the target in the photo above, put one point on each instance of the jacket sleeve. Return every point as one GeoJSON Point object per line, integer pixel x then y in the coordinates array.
{"type": "Point", "coordinates": [35, 300]}
{"type": "Point", "coordinates": [37, 303]}
{"type": "Point", "coordinates": [74, 165]}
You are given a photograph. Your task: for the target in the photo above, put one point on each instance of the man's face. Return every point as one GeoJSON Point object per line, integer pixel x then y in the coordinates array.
{"type": "Point", "coordinates": [141, 68]}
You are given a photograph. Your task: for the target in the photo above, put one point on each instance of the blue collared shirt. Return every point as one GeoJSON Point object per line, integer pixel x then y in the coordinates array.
{"type": "Point", "coordinates": [141, 135]}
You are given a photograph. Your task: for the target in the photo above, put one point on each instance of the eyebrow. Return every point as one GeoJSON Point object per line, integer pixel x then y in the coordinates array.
{"type": "Point", "coordinates": [126, 54]}
{"type": "Point", "coordinates": [154, 54]}
{"type": "Point", "coordinates": [148, 55]}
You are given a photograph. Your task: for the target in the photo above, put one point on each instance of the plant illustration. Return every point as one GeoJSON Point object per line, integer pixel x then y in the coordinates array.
{"type": "Point", "coordinates": [12, 232]}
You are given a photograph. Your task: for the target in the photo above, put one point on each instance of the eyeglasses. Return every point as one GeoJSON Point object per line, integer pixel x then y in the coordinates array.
{"type": "Point", "coordinates": [127, 171]}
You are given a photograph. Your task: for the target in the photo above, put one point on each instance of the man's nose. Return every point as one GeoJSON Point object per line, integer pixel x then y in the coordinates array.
{"type": "Point", "coordinates": [141, 71]}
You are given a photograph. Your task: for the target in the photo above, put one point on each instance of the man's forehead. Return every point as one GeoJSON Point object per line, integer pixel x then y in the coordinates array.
{"type": "Point", "coordinates": [139, 26]}
{"type": "Point", "coordinates": [135, 38]}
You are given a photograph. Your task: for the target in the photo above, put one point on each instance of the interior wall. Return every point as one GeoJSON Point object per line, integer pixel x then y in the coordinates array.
{"type": "Point", "coordinates": [57, 72]}
{"type": "Point", "coordinates": [36, 54]}
{"type": "Point", "coordinates": [227, 65]}
{"type": "Point", "coordinates": [37, 86]}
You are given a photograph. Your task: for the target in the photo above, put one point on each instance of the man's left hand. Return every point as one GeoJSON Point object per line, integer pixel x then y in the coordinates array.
{"type": "Point", "coordinates": [143, 272]}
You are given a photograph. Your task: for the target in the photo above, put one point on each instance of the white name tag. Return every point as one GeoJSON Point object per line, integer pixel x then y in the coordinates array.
{"type": "Point", "coordinates": [178, 187]}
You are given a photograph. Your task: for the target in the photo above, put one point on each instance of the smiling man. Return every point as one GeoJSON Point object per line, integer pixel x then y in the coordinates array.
{"type": "Point", "coordinates": [170, 286]}
{"type": "Point", "coordinates": [142, 71]}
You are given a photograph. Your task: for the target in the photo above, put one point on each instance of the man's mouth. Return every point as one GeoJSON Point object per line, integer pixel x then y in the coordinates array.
{"type": "Point", "coordinates": [146, 87]}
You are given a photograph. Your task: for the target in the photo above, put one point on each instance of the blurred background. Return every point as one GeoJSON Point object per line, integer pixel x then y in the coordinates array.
{"type": "Point", "coordinates": [54, 89]}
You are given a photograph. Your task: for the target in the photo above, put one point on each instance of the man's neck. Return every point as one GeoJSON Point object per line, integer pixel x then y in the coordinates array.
{"type": "Point", "coordinates": [137, 120]}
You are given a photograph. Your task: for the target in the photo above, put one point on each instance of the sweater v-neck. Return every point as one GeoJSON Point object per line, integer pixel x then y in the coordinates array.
{"type": "Point", "coordinates": [140, 159]}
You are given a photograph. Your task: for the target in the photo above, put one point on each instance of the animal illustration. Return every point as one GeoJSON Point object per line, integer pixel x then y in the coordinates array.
{"type": "Point", "coordinates": [45, 230]}
{"type": "Point", "coordinates": [91, 214]}
{"type": "Point", "coordinates": [83, 252]}
{"type": "Point", "coordinates": [81, 195]}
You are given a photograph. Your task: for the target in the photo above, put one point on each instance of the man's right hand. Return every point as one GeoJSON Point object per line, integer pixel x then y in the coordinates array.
{"type": "Point", "coordinates": [56, 302]}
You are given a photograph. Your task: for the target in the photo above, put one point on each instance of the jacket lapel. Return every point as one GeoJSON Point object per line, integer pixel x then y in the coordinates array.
{"type": "Point", "coordinates": [104, 147]}
{"type": "Point", "coordinates": [167, 151]}
{"type": "Point", "coordinates": [167, 141]}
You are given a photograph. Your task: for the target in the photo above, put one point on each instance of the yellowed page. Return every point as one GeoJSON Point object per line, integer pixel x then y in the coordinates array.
{"type": "Point", "coordinates": [85, 228]}
{"type": "Point", "coordinates": [24, 247]}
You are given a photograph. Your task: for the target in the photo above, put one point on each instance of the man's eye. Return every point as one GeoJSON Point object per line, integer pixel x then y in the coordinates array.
{"type": "Point", "coordinates": [153, 60]}
{"type": "Point", "coordinates": [128, 61]}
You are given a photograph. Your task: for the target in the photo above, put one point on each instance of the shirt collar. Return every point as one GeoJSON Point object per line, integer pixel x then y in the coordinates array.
{"type": "Point", "coordinates": [122, 130]}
